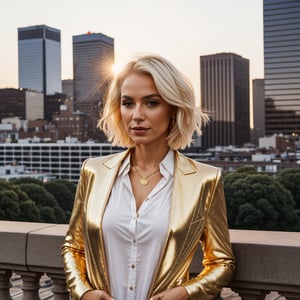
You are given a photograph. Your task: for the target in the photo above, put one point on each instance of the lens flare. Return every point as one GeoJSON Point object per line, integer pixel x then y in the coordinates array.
{"type": "Point", "coordinates": [116, 68]}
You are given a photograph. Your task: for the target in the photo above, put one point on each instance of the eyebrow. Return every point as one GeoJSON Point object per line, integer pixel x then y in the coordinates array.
{"type": "Point", "coordinates": [143, 98]}
{"type": "Point", "coordinates": [151, 96]}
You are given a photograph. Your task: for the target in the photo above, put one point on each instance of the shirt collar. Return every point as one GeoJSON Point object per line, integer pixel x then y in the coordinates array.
{"type": "Point", "coordinates": [125, 166]}
{"type": "Point", "coordinates": [166, 164]}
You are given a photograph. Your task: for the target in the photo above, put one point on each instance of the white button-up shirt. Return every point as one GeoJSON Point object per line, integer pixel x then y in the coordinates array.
{"type": "Point", "coordinates": [134, 240]}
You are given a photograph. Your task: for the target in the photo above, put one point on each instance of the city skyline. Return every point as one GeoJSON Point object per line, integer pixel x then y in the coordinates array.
{"type": "Point", "coordinates": [181, 31]}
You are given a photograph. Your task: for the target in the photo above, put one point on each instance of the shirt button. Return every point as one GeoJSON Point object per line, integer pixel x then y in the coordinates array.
{"type": "Point", "coordinates": [134, 241]}
{"type": "Point", "coordinates": [131, 288]}
{"type": "Point", "coordinates": [132, 266]}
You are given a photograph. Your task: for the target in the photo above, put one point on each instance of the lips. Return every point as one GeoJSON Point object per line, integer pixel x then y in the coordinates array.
{"type": "Point", "coordinates": [139, 129]}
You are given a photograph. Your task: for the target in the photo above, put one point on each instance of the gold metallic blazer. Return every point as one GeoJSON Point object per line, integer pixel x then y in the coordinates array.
{"type": "Point", "coordinates": [197, 216]}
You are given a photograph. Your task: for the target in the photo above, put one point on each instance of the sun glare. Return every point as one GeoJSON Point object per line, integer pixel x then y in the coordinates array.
{"type": "Point", "coordinates": [116, 68]}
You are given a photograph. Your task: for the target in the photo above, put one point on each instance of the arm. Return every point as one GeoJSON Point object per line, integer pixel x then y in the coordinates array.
{"type": "Point", "coordinates": [218, 261]}
{"type": "Point", "coordinates": [73, 251]}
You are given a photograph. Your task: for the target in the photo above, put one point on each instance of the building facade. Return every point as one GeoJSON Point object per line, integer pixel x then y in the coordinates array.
{"type": "Point", "coordinates": [70, 124]}
{"type": "Point", "coordinates": [61, 160]}
{"type": "Point", "coordinates": [39, 53]}
{"type": "Point", "coordinates": [21, 103]}
{"type": "Point", "coordinates": [258, 96]}
{"type": "Point", "coordinates": [282, 66]}
{"type": "Point", "coordinates": [225, 95]}
{"type": "Point", "coordinates": [93, 57]}
{"type": "Point", "coordinates": [52, 105]}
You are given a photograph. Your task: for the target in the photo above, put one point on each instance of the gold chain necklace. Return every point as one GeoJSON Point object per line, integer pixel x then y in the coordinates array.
{"type": "Point", "coordinates": [144, 179]}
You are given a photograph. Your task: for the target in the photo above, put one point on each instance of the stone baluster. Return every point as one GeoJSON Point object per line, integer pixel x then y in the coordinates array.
{"type": "Point", "coordinates": [291, 295]}
{"type": "Point", "coordinates": [5, 284]}
{"type": "Point", "coordinates": [59, 287]}
{"type": "Point", "coordinates": [31, 285]}
{"type": "Point", "coordinates": [251, 294]}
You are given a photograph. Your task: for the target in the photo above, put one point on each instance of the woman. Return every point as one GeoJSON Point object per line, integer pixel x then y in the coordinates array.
{"type": "Point", "coordinates": [140, 215]}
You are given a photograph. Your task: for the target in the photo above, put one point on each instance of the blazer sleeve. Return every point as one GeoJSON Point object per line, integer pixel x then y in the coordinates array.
{"type": "Point", "coordinates": [73, 250]}
{"type": "Point", "coordinates": [218, 259]}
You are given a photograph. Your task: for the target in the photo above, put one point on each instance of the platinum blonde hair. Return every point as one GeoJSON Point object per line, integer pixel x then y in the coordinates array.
{"type": "Point", "coordinates": [172, 86]}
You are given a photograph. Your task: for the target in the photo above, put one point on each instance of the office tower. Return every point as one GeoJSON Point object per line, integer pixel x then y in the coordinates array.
{"type": "Point", "coordinates": [282, 66]}
{"type": "Point", "coordinates": [52, 105]}
{"type": "Point", "coordinates": [93, 57]}
{"type": "Point", "coordinates": [24, 104]}
{"type": "Point", "coordinates": [40, 59]}
{"type": "Point", "coordinates": [258, 96]}
{"type": "Point", "coordinates": [225, 94]}
{"type": "Point", "coordinates": [68, 87]}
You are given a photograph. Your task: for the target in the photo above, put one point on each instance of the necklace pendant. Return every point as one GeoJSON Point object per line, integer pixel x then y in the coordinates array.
{"type": "Point", "coordinates": [144, 181]}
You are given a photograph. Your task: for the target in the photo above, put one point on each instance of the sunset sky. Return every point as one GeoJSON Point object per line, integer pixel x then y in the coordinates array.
{"type": "Point", "coordinates": [180, 30]}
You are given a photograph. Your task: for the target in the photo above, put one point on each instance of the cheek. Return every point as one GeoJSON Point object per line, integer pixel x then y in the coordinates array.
{"type": "Point", "coordinates": [125, 115]}
{"type": "Point", "coordinates": [163, 118]}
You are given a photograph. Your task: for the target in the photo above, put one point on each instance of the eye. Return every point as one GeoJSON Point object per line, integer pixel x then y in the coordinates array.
{"type": "Point", "coordinates": [127, 103]}
{"type": "Point", "coordinates": [152, 103]}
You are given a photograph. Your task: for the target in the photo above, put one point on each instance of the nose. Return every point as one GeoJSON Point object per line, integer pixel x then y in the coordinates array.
{"type": "Point", "coordinates": [138, 114]}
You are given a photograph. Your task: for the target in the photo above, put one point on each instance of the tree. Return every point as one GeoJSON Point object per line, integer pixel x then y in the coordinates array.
{"type": "Point", "coordinates": [257, 201]}
{"type": "Point", "coordinates": [9, 206]}
{"type": "Point", "coordinates": [23, 180]}
{"type": "Point", "coordinates": [45, 202]}
{"type": "Point", "coordinates": [10, 198]}
{"type": "Point", "coordinates": [29, 212]}
{"type": "Point", "coordinates": [39, 195]}
{"type": "Point", "coordinates": [47, 214]}
{"type": "Point", "coordinates": [290, 179]}
{"type": "Point", "coordinates": [64, 193]}
{"type": "Point", "coordinates": [6, 185]}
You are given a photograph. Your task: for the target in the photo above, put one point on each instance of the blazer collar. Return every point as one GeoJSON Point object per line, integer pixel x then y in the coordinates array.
{"type": "Point", "coordinates": [184, 165]}
{"type": "Point", "coordinates": [116, 160]}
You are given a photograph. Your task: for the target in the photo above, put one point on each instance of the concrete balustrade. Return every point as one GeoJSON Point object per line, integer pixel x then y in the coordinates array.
{"type": "Point", "coordinates": [266, 261]}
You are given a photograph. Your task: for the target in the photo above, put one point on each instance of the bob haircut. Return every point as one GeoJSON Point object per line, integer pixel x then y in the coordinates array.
{"type": "Point", "coordinates": [173, 87]}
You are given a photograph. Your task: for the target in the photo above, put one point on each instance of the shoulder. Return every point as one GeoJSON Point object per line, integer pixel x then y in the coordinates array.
{"type": "Point", "coordinates": [108, 161]}
{"type": "Point", "coordinates": [185, 164]}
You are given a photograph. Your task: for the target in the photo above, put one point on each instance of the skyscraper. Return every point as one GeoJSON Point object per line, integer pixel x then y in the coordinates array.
{"type": "Point", "coordinates": [93, 56]}
{"type": "Point", "coordinates": [225, 94]}
{"type": "Point", "coordinates": [258, 93]}
{"type": "Point", "coordinates": [39, 59]}
{"type": "Point", "coordinates": [282, 66]}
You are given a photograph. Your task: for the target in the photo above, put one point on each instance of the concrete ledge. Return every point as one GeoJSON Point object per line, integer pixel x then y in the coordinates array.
{"type": "Point", "coordinates": [14, 237]}
{"type": "Point", "coordinates": [44, 248]}
{"type": "Point", "coordinates": [267, 256]}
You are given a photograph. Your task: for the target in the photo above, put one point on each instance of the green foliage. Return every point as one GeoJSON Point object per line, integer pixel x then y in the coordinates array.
{"type": "Point", "coordinates": [47, 214]}
{"type": "Point", "coordinates": [259, 202]}
{"type": "Point", "coordinates": [10, 198]}
{"type": "Point", "coordinates": [24, 180]}
{"type": "Point", "coordinates": [5, 185]}
{"type": "Point", "coordinates": [64, 192]}
{"type": "Point", "coordinates": [39, 195]}
{"type": "Point", "coordinates": [27, 199]}
{"type": "Point", "coordinates": [9, 206]}
{"type": "Point", "coordinates": [247, 169]}
{"type": "Point", "coordinates": [290, 179]}
{"type": "Point", "coordinates": [29, 211]}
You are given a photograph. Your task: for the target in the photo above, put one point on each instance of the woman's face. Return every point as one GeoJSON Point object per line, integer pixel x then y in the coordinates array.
{"type": "Point", "coordinates": [145, 114]}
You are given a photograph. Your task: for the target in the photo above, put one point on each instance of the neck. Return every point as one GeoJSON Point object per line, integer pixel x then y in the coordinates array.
{"type": "Point", "coordinates": [146, 158]}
